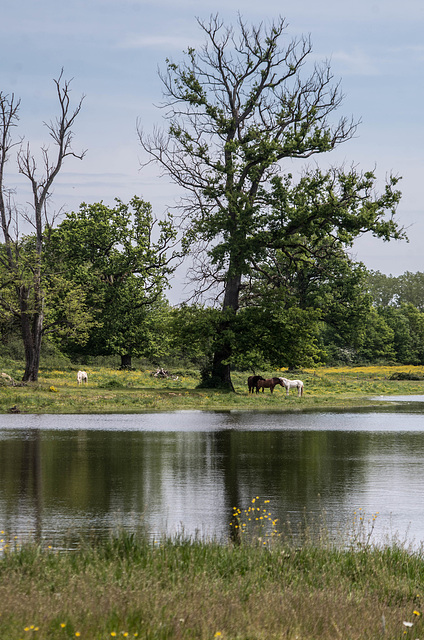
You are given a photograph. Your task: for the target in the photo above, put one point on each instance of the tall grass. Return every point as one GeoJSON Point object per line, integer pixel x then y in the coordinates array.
{"type": "Point", "coordinates": [129, 586]}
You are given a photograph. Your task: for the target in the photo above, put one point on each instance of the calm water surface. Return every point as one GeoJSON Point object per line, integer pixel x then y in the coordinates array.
{"type": "Point", "coordinates": [61, 476]}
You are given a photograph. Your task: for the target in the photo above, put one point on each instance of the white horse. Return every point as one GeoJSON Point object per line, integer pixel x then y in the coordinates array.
{"type": "Point", "coordinates": [292, 384]}
{"type": "Point", "coordinates": [82, 377]}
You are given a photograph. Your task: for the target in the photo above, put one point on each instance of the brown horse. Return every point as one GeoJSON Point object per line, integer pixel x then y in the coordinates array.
{"type": "Point", "coordinates": [252, 382]}
{"type": "Point", "coordinates": [269, 384]}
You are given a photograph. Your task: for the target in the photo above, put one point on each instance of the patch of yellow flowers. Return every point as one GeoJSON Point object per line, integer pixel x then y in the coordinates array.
{"type": "Point", "coordinates": [380, 370]}
{"type": "Point", "coordinates": [114, 634]}
{"type": "Point", "coordinates": [255, 517]}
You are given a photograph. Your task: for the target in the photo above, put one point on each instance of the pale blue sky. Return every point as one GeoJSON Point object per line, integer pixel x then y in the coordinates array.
{"type": "Point", "coordinates": [113, 48]}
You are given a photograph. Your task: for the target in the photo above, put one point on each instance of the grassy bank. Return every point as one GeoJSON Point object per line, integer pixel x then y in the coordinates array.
{"type": "Point", "coordinates": [185, 589]}
{"type": "Point", "coordinates": [112, 391]}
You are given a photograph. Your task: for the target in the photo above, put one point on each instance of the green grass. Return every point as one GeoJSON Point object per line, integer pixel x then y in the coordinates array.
{"type": "Point", "coordinates": [112, 391]}
{"type": "Point", "coordinates": [128, 586]}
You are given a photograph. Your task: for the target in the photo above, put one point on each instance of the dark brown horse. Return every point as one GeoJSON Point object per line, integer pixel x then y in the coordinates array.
{"type": "Point", "coordinates": [252, 382]}
{"type": "Point", "coordinates": [269, 384]}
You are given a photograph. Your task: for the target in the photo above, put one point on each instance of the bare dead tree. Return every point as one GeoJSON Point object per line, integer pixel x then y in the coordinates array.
{"type": "Point", "coordinates": [24, 267]}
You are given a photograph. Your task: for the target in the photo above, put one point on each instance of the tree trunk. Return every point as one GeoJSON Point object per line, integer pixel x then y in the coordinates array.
{"type": "Point", "coordinates": [126, 362]}
{"type": "Point", "coordinates": [31, 336]}
{"type": "Point", "coordinates": [220, 371]}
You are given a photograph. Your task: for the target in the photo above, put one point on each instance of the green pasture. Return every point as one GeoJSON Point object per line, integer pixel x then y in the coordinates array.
{"type": "Point", "coordinates": [113, 391]}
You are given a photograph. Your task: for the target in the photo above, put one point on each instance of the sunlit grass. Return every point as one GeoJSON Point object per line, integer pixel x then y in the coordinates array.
{"type": "Point", "coordinates": [113, 391]}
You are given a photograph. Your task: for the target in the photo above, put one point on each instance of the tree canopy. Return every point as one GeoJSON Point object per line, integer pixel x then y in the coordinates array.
{"type": "Point", "coordinates": [123, 257]}
{"type": "Point", "coordinates": [237, 110]}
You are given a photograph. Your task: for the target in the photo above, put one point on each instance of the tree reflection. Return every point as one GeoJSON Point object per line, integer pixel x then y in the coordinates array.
{"type": "Point", "coordinates": [51, 481]}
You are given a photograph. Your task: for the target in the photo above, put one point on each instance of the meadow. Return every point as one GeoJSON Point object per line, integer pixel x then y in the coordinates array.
{"type": "Point", "coordinates": [114, 391]}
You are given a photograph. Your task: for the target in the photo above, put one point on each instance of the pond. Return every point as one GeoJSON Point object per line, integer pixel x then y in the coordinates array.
{"type": "Point", "coordinates": [66, 475]}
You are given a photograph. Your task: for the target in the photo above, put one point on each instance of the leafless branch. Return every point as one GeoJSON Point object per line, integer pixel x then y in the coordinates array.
{"type": "Point", "coordinates": [61, 132]}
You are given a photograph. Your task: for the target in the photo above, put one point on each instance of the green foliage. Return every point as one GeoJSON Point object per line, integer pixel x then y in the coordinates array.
{"type": "Point", "coordinates": [65, 310]}
{"type": "Point", "coordinates": [383, 288]}
{"type": "Point", "coordinates": [191, 332]}
{"type": "Point", "coordinates": [407, 288]}
{"type": "Point", "coordinates": [400, 302]}
{"type": "Point", "coordinates": [411, 289]}
{"type": "Point", "coordinates": [112, 383]}
{"type": "Point", "coordinates": [378, 340]}
{"type": "Point", "coordinates": [235, 114]}
{"type": "Point", "coordinates": [110, 254]}
{"type": "Point", "coordinates": [407, 324]}
{"type": "Point", "coordinates": [278, 335]}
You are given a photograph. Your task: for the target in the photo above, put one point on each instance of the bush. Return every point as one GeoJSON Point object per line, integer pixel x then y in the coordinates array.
{"type": "Point", "coordinates": [113, 383]}
{"type": "Point", "coordinates": [405, 375]}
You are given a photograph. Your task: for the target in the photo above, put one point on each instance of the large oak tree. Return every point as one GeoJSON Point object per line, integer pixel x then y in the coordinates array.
{"type": "Point", "coordinates": [239, 110]}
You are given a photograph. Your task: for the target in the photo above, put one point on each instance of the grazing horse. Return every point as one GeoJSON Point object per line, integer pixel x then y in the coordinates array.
{"type": "Point", "coordinates": [291, 384]}
{"type": "Point", "coordinates": [269, 384]}
{"type": "Point", "coordinates": [82, 377]}
{"type": "Point", "coordinates": [252, 382]}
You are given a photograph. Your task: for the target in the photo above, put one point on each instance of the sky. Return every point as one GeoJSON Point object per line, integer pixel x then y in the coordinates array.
{"type": "Point", "coordinates": [113, 49]}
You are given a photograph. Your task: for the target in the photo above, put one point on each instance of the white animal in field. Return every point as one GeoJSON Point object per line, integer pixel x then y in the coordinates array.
{"type": "Point", "coordinates": [291, 384]}
{"type": "Point", "coordinates": [82, 377]}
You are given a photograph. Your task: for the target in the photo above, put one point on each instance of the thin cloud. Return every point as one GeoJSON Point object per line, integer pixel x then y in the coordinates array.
{"type": "Point", "coordinates": [357, 62]}
{"type": "Point", "coordinates": [155, 41]}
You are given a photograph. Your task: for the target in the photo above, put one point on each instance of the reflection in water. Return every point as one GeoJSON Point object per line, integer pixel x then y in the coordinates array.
{"type": "Point", "coordinates": [186, 471]}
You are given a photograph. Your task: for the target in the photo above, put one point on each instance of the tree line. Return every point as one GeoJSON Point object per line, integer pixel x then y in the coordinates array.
{"type": "Point", "coordinates": [270, 248]}
{"type": "Point", "coordinates": [105, 282]}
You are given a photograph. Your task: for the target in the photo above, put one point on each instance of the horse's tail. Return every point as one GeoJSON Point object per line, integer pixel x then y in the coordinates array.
{"type": "Point", "coordinates": [301, 390]}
